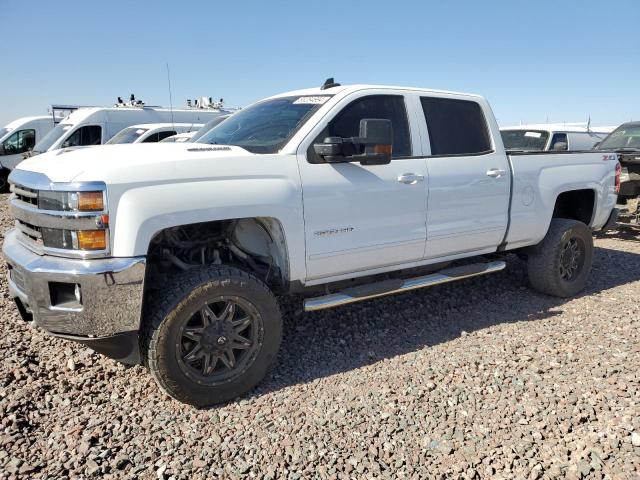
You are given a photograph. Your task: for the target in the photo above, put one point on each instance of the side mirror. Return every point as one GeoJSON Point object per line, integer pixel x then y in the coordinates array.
{"type": "Point", "coordinates": [2, 152]}
{"type": "Point", "coordinates": [372, 147]}
{"type": "Point", "coordinates": [377, 137]}
{"type": "Point", "coordinates": [560, 147]}
{"type": "Point", "coordinates": [331, 150]}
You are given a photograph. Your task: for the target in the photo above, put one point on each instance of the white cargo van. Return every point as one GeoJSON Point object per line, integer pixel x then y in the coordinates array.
{"type": "Point", "coordinates": [96, 125]}
{"type": "Point", "coordinates": [152, 132]}
{"type": "Point", "coordinates": [20, 136]}
{"type": "Point", "coordinates": [552, 137]}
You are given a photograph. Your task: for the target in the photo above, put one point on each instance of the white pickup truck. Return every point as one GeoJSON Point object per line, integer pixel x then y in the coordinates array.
{"type": "Point", "coordinates": [172, 255]}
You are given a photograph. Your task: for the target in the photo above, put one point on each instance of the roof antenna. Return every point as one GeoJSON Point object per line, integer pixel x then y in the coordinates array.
{"type": "Point", "coordinates": [589, 124]}
{"type": "Point", "coordinates": [329, 83]}
{"type": "Point", "coordinates": [170, 96]}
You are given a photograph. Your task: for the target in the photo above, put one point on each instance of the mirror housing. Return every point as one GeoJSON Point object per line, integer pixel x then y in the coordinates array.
{"type": "Point", "coordinates": [372, 147]}
{"type": "Point", "coordinates": [560, 147]}
{"type": "Point", "coordinates": [331, 150]}
{"type": "Point", "coordinates": [2, 152]}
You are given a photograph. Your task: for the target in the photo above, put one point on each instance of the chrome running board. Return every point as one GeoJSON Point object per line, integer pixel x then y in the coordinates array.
{"type": "Point", "coordinates": [388, 287]}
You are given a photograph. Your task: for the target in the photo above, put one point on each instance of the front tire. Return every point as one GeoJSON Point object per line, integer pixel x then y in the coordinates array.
{"type": "Point", "coordinates": [213, 336]}
{"type": "Point", "coordinates": [561, 263]}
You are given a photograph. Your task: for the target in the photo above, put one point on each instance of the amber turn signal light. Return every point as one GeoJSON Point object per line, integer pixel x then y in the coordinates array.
{"type": "Point", "coordinates": [92, 240]}
{"type": "Point", "coordinates": [382, 149]}
{"type": "Point", "coordinates": [90, 201]}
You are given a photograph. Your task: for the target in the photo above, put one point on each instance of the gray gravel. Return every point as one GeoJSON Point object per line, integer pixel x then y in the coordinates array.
{"type": "Point", "coordinates": [480, 379]}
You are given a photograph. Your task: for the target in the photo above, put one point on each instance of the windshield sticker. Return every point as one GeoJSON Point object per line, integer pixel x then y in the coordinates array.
{"type": "Point", "coordinates": [533, 134]}
{"type": "Point", "coordinates": [311, 100]}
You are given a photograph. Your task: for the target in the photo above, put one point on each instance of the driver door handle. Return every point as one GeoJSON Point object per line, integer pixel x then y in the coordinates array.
{"type": "Point", "coordinates": [495, 172]}
{"type": "Point", "coordinates": [410, 178]}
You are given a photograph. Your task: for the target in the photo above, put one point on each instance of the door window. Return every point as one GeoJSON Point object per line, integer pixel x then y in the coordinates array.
{"type": "Point", "coordinates": [558, 140]}
{"type": "Point", "coordinates": [347, 123]}
{"type": "Point", "coordinates": [456, 127]}
{"type": "Point", "coordinates": [84, 136]}
{"type": "Point", "coordinates": [163, 135]}
{"type": "Point", "coordinates": [21, 141]}
{"type": "Point", "coordinates": [153, 138]}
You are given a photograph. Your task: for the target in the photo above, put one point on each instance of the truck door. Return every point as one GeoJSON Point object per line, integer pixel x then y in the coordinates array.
{"type": "Point", "coordinates": [363, 217]}
{"type": "Point", "coordinates": [469, 177]}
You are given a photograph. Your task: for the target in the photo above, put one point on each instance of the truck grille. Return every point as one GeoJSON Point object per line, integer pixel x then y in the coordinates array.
{"type": "Point", "coordinates": [32, 232]}
{"type": "Point", "coordinates": [25, 194]}
{"type": "Point", "coordinates": [46, 222]}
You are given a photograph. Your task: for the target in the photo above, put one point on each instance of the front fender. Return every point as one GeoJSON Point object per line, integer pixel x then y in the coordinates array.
{"type": "Point", "coordinates": [143, 211]}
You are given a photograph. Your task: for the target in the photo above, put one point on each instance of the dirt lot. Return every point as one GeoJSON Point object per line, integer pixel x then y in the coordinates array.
{"type": "Point", "coordinates": [479, 379]}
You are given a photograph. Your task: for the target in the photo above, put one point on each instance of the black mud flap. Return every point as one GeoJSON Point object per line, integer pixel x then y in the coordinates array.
{"type": "Point", "coordinates": [123, 347]}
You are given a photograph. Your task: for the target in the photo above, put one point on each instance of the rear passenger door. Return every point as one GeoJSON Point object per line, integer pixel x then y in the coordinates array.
{"type": "Point", "coordinates": [469, 181]}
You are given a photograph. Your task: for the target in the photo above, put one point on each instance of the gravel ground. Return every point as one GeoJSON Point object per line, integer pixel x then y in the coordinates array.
{"type": "Point", "coordinates": [479, 379]}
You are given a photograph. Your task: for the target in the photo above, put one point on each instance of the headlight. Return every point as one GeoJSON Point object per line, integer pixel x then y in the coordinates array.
{"type": "Point", "coordinates": [74, 239]}
{"type": "Point", "coordinates": [71, 201]}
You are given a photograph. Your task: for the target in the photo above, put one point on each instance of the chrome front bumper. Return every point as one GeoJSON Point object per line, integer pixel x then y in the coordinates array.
{"type": "Point", "coordinates": [111, 292]}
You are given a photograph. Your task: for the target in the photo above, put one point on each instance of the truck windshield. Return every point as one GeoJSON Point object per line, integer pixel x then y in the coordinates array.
{"type": "Point", "coordinates": [128, 135]}
{"type": "Point", "coordinates": [207, 127]}
{"type": "Point", "coordinates": [266, 126]}
{"type": "Point", "coordinates": [52, 137]}
{"type": "Point", "coordinates": [622, 137]}
{"type": "Point", "coordinates": [528, 140]}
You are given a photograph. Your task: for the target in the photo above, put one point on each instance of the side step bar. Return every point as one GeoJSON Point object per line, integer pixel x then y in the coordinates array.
{"type": "Point", "coordinates": [388, 287]}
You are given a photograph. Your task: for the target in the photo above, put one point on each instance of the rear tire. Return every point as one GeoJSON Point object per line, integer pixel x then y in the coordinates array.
{"type": "Point", "coordinates": [4, 180]}
{"type": "Point", "coordinates": [561, 263]}
{"type": "Point", "coordinates": [213, 336]}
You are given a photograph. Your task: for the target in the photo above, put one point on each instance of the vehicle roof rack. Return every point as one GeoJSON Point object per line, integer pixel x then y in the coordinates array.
{"type": "Point", "coordinates": [329, 83]}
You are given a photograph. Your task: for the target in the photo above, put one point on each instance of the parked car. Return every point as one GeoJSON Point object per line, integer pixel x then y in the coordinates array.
{"type": "Point", "coordinates": [625, 140]}
{"type": "Point", "coordinates": [88, 126]}
{"type": "Point", "coordinates": [552, 137]}
{"type": "Point", "coordinates": [180, 137]}
{"type": "Point", "coordinates": [176, 253]}
{"type": "Point", "coordinates": [152, 132]}
{"type": "Point", "coordinates": [18, 137]}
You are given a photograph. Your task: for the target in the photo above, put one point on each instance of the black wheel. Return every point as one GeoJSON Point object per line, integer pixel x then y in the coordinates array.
{"type": "Point", "coordinates": [214, 336]}
{"type": "Point", "coordinates": [560, 264]}
{"type": "Point", "coordinates": [4, 180]}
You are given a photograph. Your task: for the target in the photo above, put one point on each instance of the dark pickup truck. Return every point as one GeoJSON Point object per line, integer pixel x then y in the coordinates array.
{"type": "Point", "coordinates": [625, 141]}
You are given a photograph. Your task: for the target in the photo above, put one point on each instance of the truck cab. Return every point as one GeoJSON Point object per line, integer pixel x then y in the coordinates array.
{"type": "Point", "coordinates": [552, 137]}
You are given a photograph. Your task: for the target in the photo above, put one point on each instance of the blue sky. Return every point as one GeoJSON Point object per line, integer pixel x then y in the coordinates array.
{"type": "Point", "coordinates": [555, 60]}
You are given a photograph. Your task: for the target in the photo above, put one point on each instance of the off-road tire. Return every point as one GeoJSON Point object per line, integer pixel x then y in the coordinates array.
{"type": "Point", "coordinates": [172, 305]}
{"type": "Point", "coordinates": [544, 260]}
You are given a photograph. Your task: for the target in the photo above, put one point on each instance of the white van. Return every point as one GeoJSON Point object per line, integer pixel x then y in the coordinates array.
{"type": "Point", "coordinates": [96, 125]}
{"type": "Point", "coordinates": [552, 137]}
{"type": "Point", "coordinates": [152, 132]}
{"type": "Point", "coordinates": [19, 137]}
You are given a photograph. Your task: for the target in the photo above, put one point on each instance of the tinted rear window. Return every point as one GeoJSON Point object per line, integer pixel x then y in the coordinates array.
{"type": "Point", "coordinates": [456, 127]}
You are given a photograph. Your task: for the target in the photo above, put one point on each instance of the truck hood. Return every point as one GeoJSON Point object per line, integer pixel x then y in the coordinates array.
{"type": "Point", "coordinates": [114, 164]}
